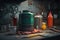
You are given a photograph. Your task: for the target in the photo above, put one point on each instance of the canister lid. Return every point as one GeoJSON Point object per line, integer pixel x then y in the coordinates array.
{"type": "Point", "coordinates": [25, 11]}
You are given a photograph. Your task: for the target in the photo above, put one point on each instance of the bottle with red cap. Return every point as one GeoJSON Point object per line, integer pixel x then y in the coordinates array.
{"type": "Point", "coordinates": [50, 20]}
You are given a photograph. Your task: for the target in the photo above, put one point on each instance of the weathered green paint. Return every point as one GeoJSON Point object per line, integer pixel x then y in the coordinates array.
{"type": "Point", "coordinates": [26, 20]}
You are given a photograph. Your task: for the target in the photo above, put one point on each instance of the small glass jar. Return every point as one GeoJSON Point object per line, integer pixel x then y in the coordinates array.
{"type": "Point", "coordinates": [44, 26]}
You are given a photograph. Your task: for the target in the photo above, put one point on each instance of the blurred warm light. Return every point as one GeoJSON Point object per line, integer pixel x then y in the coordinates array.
{"type": "Point", "coordinates": [29, 32]}
{"type": "Point", "coordinates": [36, 30]}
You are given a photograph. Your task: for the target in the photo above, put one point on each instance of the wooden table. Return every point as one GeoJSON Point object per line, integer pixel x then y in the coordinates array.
{"type": "Point", "coordinates": [37, 36]}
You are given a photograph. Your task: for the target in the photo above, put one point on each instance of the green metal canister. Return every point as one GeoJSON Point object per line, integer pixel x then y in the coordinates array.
{"type": "Point", "coordinates": [26, 21]}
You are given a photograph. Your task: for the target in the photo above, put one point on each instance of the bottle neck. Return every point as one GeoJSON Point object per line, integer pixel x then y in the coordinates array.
{"type": "Point", "coordinates": [50, 14]}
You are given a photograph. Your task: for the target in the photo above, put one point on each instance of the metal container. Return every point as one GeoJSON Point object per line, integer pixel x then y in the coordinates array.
{"type": "Point", "coordinates": [26, 21]}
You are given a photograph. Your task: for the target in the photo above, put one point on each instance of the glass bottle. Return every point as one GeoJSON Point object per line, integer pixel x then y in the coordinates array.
{"type": "Point", "coordinates": [38, 21]}
{"type": "Point", "coordinates": [50, 20]}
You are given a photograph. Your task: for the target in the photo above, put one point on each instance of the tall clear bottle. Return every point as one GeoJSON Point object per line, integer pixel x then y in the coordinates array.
{"type": "Point", "coordinates": [37, 21]}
